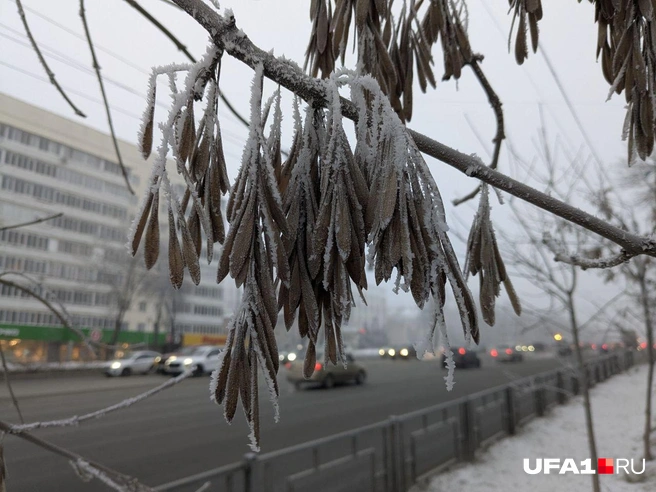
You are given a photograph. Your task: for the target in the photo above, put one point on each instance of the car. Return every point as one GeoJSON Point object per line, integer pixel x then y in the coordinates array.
{"type": "Point", "coordinates": [506, 353]}
{"type": "Point", "coordinates": [463, 358]}
{"type": "Point", "coordinates": [200, 359]}
{"type": "Point", "coordinates": [406, 353]}
{"type": "Point", "coordinates": [160, 367]}
{"type": "Point", "coordinates": [284, 357]}
{"type": "Point", "coordinates": [129, 362]}
{"type": "Point", "coordinates": [326, 375]}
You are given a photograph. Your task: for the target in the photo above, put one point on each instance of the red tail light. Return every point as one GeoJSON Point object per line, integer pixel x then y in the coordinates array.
{"type": "Point", "coordinates": [318, 366]}
{"type": "Point", "coordinates": [643, 345]}
{"type": "Point", "coordinates": [509, 351]}
{"type": "Point", "coordinates": [594, 346]}
{"type": "Point", "coordinates": [494, 352]}
{"type": "Point", "coordinates": [288, 365]}
{"type": "Point", "coordinates": [461, 351]}
{"type": "Point", "coordinates": [605, 346]}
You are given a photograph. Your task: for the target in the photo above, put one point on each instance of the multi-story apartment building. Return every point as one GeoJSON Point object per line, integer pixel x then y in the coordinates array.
{"type": "Point", "coordinates": [49, 164]}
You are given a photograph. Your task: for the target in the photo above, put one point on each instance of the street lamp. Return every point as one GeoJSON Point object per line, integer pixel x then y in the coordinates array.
{"type": "Point", "coordinates": [558, 337]}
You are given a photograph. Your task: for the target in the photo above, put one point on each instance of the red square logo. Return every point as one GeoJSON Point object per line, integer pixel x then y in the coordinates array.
{"type": "Point", "coordinates": [605, 466]}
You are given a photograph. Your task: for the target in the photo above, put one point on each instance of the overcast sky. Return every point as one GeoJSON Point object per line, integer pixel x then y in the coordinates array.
{"type": "Point", "coordinates": [567, 37]}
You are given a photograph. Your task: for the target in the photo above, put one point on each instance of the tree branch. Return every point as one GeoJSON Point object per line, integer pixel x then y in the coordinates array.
{"type": "Point", "coordinates": [76, 420]}
{"type": "Point", "coordinates": [226, 35]}
{"type": "Point", "coordinates": [585, 263]}
{"type": "Point", "coordinates": [11, 390]}
{"type": "Point", "coordinates": [44, 64]}
{"type": "Point", "coordinates": [62, 319]}
{"type": "Point", "coordinates": [184, 49]}
{"type": "Point", "coordinates": [35, 221]}
{"type": "Point", "coordinates": [96, 67]}
{"type": "Point", "coordinates": [126, 480]}
{"type": "Point", "coordinates": [495, 103]}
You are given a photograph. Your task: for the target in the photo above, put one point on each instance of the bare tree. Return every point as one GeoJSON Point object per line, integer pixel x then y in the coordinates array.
{"type": "Point", "coordinates": [638, 213]}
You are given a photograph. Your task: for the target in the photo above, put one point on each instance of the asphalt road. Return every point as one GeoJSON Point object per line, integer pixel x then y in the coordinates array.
{"type": "Point", "coordinates": [180, 432]}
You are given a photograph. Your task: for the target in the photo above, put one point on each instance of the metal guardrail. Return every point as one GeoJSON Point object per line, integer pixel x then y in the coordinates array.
{"type": "Point", "coordinates": [392, 455]}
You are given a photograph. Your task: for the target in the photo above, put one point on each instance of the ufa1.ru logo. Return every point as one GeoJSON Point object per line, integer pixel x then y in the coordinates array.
{"type": "Point", "coordinates": [605, 466]}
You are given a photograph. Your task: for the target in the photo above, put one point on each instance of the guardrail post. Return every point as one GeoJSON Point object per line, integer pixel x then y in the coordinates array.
{"type": "Point", "coordinates": [252, 478]}
{"type": "Point", "coordinates": [510, 409]}
{"type": "Point", "coordinates": [396, 467]}
{"type": "Point", "coordinates": [468, 430]}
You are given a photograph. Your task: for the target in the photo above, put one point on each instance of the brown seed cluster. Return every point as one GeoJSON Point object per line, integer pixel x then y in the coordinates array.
{"type": "Point", "coordinates": [525, 12]}
{"type": "Point", "coordinates": [389, 48]}
{"type": "Point", "coordinates": [627, 45]}
{"type": "Point", "coordinates": [299, 228]}
{"type": "Point", "coordinates": [484, 259]}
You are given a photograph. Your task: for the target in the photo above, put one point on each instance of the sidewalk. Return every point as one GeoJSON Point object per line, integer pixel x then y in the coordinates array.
{"type": "Point", "coordinates": [618, 413]}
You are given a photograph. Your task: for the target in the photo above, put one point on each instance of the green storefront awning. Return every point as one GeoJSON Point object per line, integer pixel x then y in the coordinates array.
{"type": "Point", "coordinates": [61, 334]}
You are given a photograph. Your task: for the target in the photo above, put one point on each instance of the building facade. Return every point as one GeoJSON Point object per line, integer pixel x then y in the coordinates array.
{"type": "Point", "coordinates": [49, 164]}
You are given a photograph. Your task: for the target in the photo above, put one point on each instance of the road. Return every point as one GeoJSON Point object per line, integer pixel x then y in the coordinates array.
{"type": "Point", "coordinates": [180, 432]}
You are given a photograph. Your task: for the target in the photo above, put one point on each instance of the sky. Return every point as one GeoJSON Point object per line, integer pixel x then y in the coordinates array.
{"type": "Point", "coordinates": [454, 113]}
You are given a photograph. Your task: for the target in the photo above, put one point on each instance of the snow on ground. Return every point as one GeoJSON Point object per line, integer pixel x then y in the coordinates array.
{"type": "Point", "coordinates": [618, 413]}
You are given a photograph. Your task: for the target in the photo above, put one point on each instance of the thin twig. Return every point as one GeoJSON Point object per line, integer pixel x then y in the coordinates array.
{"type": "Point", "coordinates": [76, 420]}
{"type": "Point", "coordinates": [62, 319]}
{"type": "Point", "coordinates": [32, 222]}
{"type": "Point", "coordinates": [44, 64]}
{"type": "Point", "coordinates": [585, 263]}
{"type": "Point", "coordinates": [127, 480]}
{"type": "Point", "coordinates": [225, 34]}
{"type": "Point", "coordinates": [496, 105]}
{"type": "Point", "coordinates": [11, 390]}
{"type": "Point", "coordinates": [96, 67]}
{"type": "Point", "coordinates": [184, 49]}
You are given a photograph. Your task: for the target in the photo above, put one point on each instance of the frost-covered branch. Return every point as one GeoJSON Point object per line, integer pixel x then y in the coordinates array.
{"type": "Point", "coordinates": [77, 420]}
{"type": "Point", "coordinates": [118, 481]}
{"type": "Point", "coordinates": [31, 222]}
{"type": "Point", "coordinates": [44, 64]}
{"type": "Point", "coordinates": [581, 261]}
{"type": "Point", "coordinates": [585, 263]}
{"type": "Point", "coordinates": [175, 40]}
{"type": "Point", "coordinates": [226, 35]}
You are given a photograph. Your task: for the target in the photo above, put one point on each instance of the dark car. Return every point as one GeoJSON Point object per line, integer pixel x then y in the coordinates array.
{"type": "Point", "coordinates": [463, 358]}
{"type": "Point", "coordinates": [326, 375]}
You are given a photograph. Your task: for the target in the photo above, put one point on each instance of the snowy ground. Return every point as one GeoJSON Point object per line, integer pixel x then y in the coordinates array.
{"type": "Point", "coordinates": [618, 412]}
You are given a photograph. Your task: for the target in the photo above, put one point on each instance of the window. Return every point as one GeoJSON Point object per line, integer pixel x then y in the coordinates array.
{"type": "Point", "coordinates": [141, 327]}
{"type": "Point", "coordinates": [142, 306]}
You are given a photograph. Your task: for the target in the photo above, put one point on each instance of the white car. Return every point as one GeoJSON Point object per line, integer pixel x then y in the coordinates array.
{"type": "Point", "coordinates": [138, 362]}
{"type": "Point", "coordinates": [201, 359]}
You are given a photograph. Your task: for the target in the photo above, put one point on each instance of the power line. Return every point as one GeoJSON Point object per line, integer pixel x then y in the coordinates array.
{"type": "Point", "coordinates": [63, 58]}
{"type": "Point", "coordinates": [68, 89]}
{"type": "Point", "coordinates": [82, 38]}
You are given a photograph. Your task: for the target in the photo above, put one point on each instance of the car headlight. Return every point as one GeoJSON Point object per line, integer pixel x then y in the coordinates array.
{"type": "Point", "coordinates": [291, 357]}
{"type": "Point", "coordinates": [115, 365]}
{"type": "Point", "coordinates": [188, 362]}
{"type": "Point", "coordinates": [381, 352]}
{"type": "Point", "coordinates": [404, 352]}
{"type": "Point", "coordinates": [391, 352]}
{"type": "Point", "coordinates": [171, 359]}
{"type": "Point", "coordinates": [157, 360]}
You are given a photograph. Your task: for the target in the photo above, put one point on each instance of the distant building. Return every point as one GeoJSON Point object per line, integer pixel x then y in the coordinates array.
{"type": "Point", "coordinates": [50, 164]}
